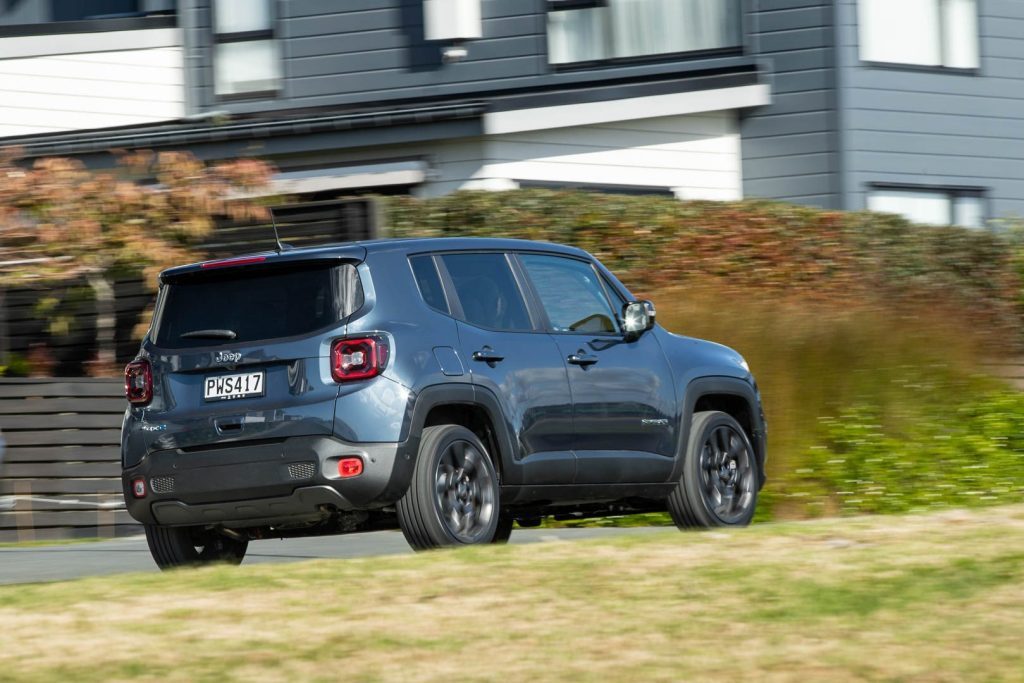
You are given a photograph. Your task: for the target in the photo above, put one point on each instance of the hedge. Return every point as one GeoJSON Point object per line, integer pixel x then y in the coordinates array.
{"type": "Point", "coordinates": [770, 248]}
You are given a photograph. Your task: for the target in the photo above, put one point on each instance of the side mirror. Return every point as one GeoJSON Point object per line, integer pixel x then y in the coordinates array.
{"type": "Point", "coordinates": [637, 318]}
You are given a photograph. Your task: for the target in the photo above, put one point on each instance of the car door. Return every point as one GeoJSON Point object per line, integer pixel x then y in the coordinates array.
{"type": "Point", "coordinates": [622, 391]}
{"type": "Point", "coordinates": [510, 356]}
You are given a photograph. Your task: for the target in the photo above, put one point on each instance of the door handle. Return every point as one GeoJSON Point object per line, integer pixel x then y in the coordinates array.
{"type": "Point", "coordinates": [582, 358]}
{"type": "Point", "coordinates": [488, 355]}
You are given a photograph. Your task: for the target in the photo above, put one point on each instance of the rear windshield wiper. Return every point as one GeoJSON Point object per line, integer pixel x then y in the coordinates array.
{"type": "Point", "coordinates": [210, 334]}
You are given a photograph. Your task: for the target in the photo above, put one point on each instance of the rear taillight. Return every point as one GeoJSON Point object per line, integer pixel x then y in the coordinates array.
{"type": "Point", "coordinates": [138, 382]}
{"type": "Point", "coordinates": [362, 358]}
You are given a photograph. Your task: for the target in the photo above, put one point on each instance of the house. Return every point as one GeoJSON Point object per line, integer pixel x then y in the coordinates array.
{"type": "Point", "coordinates": [912, 107]}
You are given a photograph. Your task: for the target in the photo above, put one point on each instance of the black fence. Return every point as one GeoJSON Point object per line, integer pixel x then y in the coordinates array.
{"type": "Point", "coordinates": [26, 335]}
{"type": "Point", "coordinates": [60, 472]}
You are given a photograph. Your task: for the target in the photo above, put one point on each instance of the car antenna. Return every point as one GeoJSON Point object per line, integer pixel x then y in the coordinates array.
{"type": "Point", "coordinates": [277, 238]}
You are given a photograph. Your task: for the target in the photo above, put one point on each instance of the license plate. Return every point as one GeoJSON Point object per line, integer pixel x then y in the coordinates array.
{"type": "Point", "coordinates": [228, 387]}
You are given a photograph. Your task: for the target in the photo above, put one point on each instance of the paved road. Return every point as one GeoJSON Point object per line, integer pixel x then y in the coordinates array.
{"type": "Point", "coordinates": [60, 562]}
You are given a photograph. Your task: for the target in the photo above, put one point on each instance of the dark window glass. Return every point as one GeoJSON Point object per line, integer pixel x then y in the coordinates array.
{"type": "Point", "coordinates": [488, 291]}
{"type": "Point", "coordinates": [429, 283]}
{"type": "Point", "coordinates": [257, 305]}
{"type": "Point", "coordinates": [571, 294]}
{"type": "Point", "coordinates": [76, 10]}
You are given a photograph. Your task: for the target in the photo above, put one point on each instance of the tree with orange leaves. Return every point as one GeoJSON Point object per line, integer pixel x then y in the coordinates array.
{"type": "Point", "coordinates": [59, 221]}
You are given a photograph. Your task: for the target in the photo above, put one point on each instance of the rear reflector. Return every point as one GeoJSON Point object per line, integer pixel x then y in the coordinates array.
{"type": "Point", "coordinates": [139, 487]}
{"type": "Point", "coordinates": [350, 467]}
{"type": "Point", "coordinates": [239, 261]}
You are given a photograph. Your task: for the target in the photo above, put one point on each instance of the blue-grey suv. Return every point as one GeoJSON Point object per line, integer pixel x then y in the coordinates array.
{"type": "Point", "coordinates": [450, 387]}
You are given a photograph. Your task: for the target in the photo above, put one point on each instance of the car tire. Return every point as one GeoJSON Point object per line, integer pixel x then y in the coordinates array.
{"type": "Point", "coordinates": [453, 498]}
{"type": "Point", "coordinates": [504, 530]}
{"type": "Point", "coordinates": [173, 547]}
{"type": "Point", "coordinates": [720, 479]}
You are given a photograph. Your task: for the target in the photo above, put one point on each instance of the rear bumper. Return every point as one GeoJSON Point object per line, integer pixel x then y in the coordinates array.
{"type": "Point", "coordinates": [284, 482]}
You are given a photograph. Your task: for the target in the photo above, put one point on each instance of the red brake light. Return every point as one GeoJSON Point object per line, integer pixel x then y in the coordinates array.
{"type": "Point", "coordinates": [353, 359]}
{"type": "Point", "coordinates": [138, 382]}
{"type": "Point", "coordinates": [350, 467]}
{"type": "Point", "coordinates": [239, 261]}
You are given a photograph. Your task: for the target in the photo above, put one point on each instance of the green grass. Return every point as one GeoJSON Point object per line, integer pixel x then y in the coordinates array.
{"type": "Point", "coordinates": [904, 597]}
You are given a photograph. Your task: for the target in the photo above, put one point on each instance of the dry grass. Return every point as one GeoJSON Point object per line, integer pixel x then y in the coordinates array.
{"type": "Point", "coordinates": [930, 597]}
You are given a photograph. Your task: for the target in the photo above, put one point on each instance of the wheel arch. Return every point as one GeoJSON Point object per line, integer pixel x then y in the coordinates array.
{"type": "Point", "coordinates": [729, 395]}
{"type": "Point", "coordinates": [467, 405]}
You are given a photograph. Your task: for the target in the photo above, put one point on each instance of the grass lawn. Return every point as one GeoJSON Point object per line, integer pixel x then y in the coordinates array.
{"type": "Point", "coordinates": [936, 597]}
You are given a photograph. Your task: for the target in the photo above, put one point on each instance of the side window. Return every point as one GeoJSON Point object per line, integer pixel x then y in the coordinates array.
{"type": "Point", "coordinates": [429, 283]}
{"type": "Point", "coordinates": [571, 294]}
{"type": "Point", "coordinates": [487, 291]}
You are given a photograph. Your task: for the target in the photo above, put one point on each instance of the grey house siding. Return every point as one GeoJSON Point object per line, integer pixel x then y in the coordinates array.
{"type": "Point", "coordinates": [370, 52]}
{"type": "Point", "coordinates": [790, 148]}
{"type": "Point", "coordinates": [903, 126]}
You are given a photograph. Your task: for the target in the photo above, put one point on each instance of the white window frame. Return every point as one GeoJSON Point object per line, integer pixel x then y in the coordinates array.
{"type": "Point", "coordinates": [606, 53]}
{"type": "Point", "coordinates": [268, 34]}
{"type": "Point", "coordinates": [874, 48]}
{"type": "Point", "coordinates": [950, 193]}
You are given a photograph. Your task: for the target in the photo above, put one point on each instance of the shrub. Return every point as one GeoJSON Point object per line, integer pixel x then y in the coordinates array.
{"type": "Point", "coordinates": [777, 250]}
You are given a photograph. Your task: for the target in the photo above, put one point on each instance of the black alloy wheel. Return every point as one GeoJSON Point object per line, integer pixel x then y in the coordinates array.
{"type": "Point", "coordinates": [453, 498]}
{"type": "Point", "coordinates": [720, 478]}
{"type": "Point", "coordinates": [728, 480]}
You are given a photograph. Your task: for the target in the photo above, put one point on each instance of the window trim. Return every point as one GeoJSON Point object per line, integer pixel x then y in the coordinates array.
{"type": "Point", "coordinates": [416, 281]}
{"type": "Point", "coordinates": [542, 312]}
{"type": "Point", "coordinates": [455, 304]}
{"type": "Point", "coordinates": [943, 49]}
{"type": "Point", "coordinates": [53, 28]}
{"type": "Point", "coordinates": [654, 58]}
{"type": "Point", "coordinates": [271, 34]}
{"type": "Point", "coordinates": [952, 192]}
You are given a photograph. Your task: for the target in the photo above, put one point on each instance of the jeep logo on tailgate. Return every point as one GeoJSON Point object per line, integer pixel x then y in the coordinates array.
{"type": "Point", "coordinates": [227, 357]}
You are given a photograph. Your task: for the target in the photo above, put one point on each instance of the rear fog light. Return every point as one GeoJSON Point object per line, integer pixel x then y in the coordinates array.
{"type": "Point", "coordinates": [350, 467]}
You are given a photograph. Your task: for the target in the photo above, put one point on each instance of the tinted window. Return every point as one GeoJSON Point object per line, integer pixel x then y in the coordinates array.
{"type": "Point", "coordinates": [571, 294]}
{"type": "Point", "coordinates": [256, 304]}
{"type": "Point", "coordinates": [487, 291]}
{"type": "Point", "coordinates": [75, 10]}
{"type": "Point", "coordinates": [428, 282]}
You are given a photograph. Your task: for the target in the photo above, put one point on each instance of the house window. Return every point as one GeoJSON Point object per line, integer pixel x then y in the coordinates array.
{"type": "Point", "coordinates": [963, 207]}
{"type": "Point", "coordinates": [246, 60]}
{"type": "Point", "coordinates": [77, 10]}
{"type": "Point", "coordinates": [597, 30]}
{"type": "Point", "coordinates": [940, 33]}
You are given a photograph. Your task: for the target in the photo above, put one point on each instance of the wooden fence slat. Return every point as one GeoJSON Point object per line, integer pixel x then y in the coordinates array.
{"type": "Point", "coordinates": [11, 520]}
{"type": "Point", "coordinates": [51, 406]}
{"type": "Point", "coordinates": [71, 437]}
{"type": "Point", "coordinates": [63, 454]}
{"type": "Point", "coordinates": [40, 503]}
{"type": "Point", "coordinates": [53, 487]}
{"type": "Point", "coordinates": [96, 388]}
{"type": "Point", "coordinates": [64, 469]}
{"type": "Point", "coordinates": [9, 423]}
{"type": "Point", "coordinates": [64, 533]}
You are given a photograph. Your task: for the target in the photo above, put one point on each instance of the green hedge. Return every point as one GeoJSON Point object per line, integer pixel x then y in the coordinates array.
{"type": "Point", "coordinates": [775, 249]}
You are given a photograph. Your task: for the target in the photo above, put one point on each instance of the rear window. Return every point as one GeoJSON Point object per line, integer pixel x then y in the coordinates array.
{"type": "Point", "coordinates": [248, 304]}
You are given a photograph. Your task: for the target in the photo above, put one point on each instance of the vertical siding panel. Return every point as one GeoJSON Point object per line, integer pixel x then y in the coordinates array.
{"type": "Point", "coordinates": [790, 148]}
{"type": "Point", "coordinates": [934, 128]}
